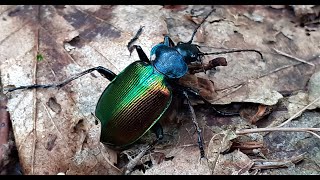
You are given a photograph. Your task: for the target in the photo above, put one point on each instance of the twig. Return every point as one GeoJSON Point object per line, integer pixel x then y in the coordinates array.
{"type": "Point", "coordinates": [268, 164]}
{"type": "Point", "coordinates": [133, 162]}
{"type": "Point", "coordinates": [257, 130]}
{"type": "Point", "coordinates": [276, 70]}
{"type": "Point", "coordinates": [35, 112]}
{"type": "Point", "coordinates": [296, 114]}
{"type": "Point", "coordinates": [315, 134]}
{"type": "Point", "coordinates": [292, 57]}
{"type": "Point", "coordinates": [218, 153]}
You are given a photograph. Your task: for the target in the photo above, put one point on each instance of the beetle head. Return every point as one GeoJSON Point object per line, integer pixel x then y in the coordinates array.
{"type": "Point", "coordinates": [168, 61]}
{"type": "Point", "coordinates": [190, 52]}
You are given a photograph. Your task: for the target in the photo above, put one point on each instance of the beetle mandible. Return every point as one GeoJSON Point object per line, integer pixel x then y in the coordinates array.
{"type": "Point", "coordinates": [143, 91]}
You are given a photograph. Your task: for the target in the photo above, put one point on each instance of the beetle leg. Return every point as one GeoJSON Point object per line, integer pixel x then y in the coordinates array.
{"type": "Point", "coordinates": [157, 129]}
{"type": "Point", "coordinates": [196, 94]}
{"type": "Point", "coordinates": [168, 41]}
{"type": "Point", "coordinates": [103, 71]}
{"type": "Point", "coordinates": [142, 55]}
{"type": "Point", "coordinates": [134, 38]}
{"type": "Point", "coordinates": [193, 116]}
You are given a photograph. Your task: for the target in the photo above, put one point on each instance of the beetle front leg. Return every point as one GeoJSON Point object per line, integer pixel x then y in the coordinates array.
{"type": "Point", "coordinates": [103, 71]}
{"type": "Point", "coordinates": [194, 120]}
{"type": "Point", "coordinates": [135, 37]}
{"type": "Point", "coordinates": [142, 55]}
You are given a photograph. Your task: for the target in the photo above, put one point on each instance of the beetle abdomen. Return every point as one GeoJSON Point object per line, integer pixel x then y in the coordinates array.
{"type": "Point", "coordinates": [131, 104]}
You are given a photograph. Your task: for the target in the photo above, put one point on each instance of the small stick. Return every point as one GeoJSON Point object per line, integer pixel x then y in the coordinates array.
{"type": "Point", "coordinates": [257, 130]}
{"type": "Point", "coordinates": [268, 164]}
{"type": "Point", "coordinates": [133, 162]}
{"type": "Point", "coordinates": [292, 57]}
{"type": "Point", "coordinates": [296, 114]}
{"type": "Point", "coordinates": [315, 134]}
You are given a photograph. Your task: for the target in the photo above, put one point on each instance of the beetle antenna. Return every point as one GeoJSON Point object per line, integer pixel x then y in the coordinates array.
{"type": "Point", "coordinates": [195, 31]}
{"type": "Point", "coordinates": [233, 51]}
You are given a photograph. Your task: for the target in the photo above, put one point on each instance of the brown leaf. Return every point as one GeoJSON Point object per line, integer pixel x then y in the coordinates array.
{"type": "Point", "coordinates": [4, 132]}
{"type": "Point", "coordinates": [204, 86]}
{"type": "Point", "coordinates": [46, 134]}
{"type": "Point", "coordinates": [235, 163]}
{"type": "Point", "coordinates": [254, 112]}
{"type": "Point", "coordinates": [246, 147]}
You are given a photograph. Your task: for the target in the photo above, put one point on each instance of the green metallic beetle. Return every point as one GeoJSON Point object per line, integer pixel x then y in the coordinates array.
{"type": "Point", "coordinates": [139, 95]}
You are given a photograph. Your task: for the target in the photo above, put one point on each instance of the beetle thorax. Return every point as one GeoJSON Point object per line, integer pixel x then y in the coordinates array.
{"type": "Point", "coordinates": [168, 61]}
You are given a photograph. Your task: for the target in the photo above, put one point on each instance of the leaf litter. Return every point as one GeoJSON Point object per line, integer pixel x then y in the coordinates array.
{"type": "Point", "coordinates": [55, 132]}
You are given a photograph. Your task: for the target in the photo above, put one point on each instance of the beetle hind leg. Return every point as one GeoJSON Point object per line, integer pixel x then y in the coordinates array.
{"type": "Point", "coordinates": [103, 71]}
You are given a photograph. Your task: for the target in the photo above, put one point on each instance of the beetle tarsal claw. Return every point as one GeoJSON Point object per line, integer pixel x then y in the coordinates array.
{"type": "Point", "coordinates": [203, 160]}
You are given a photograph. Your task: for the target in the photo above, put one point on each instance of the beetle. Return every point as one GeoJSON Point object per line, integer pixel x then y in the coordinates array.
{"type": "Point", "coordinates": [139, 95]}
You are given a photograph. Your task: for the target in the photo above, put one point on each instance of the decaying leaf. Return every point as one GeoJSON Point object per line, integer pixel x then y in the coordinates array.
{"type": "Point", "coordinates": [35, 121]}
{"type": "Point", "coordinates": [255, 112]}
{"type": "Point", "coordinates": [296, 103]}
{"type": "Point", "coordinates": [235, 163]}
{"type": "Point", "coordinates": [301, 10]}
{"type": "Point", "coordinates": [302, 99]}
{"type": "Point", "coordinates": [247, 147]}
{"type": "Point", "coordinates": [219, 144]}
{"type": "Point", "coordinates": [4, 132]}
{"type": "Point", "coordinates": [9, 160]}
{"type": "Point", "coordinates": [314, 89]}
